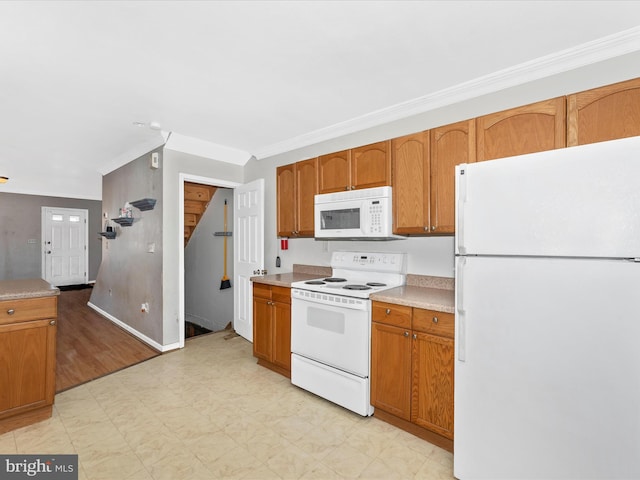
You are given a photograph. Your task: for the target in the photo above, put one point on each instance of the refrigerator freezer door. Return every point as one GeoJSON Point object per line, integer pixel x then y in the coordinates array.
{"type": "Point", "coordinates": [579, 201]}
{"type": "Point", "coordinates": [549, 383]}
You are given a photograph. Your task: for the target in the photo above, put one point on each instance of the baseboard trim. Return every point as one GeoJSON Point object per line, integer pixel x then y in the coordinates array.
{"type": "Point", "coordinates": [140, 336]}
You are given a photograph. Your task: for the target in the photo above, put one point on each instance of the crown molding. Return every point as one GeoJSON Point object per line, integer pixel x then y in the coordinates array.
{"type": "Point", "coordinates": [605, 48]}
{"type": "Point", "coordinates": [131, 154]}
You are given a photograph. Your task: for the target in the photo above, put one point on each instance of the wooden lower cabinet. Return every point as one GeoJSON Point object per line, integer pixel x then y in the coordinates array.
{"type": "Point", "coordinates": [391, 369]}
{"type": "Point", "coordinates": [27, 361]}
{"type": "Point", "coordinates": [272, 327]}
{"type": "Point", "coordinates": [412, 358]}
{"type": "Point", "coordinates": [432, 383]}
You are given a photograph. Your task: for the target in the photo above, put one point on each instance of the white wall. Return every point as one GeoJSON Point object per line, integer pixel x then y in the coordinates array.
{"type": "Point", "coordinates": [427, 255]}
{"type": "Point", "coordinates": [204, 266]}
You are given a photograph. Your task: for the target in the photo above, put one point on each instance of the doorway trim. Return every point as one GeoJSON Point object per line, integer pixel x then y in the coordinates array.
{"type": "Point", "coordinates": [182, 178]}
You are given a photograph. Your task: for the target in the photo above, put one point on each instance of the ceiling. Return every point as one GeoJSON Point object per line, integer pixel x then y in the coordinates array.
{"type": "Point", "coordinates": [254, 78]}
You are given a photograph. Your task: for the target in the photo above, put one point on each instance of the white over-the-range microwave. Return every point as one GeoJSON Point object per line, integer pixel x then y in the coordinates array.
{"type": "Point", "coordinates": [355, 214]}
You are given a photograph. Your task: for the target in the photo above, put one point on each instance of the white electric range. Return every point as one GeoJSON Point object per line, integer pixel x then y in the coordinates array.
{"type": "Point", "coordinates": [331, 326]}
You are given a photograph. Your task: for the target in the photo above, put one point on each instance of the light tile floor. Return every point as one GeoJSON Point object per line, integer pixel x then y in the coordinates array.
{"type": "Point", "coordinates": [209, 412]}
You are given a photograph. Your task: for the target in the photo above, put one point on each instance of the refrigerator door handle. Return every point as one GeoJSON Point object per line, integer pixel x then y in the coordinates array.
{"type": "Point", "coordinates": [461, 199]}
{"type": "Point", "coordinates": [461, 314]}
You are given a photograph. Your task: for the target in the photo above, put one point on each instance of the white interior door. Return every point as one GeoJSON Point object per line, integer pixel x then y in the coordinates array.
{"type": "Point", "coordinates": [64, 239]}
{"type": "Point", "coordinates": [249, 251]}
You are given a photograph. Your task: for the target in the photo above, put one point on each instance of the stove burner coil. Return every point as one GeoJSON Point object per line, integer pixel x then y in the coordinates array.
{"type": "Point", "coordinates": [314, 282]}
{"type": "Point", "coordinates": [376, 284]}
{"type": "Point", "coordinates": [335, 279]}
{"type": "Point", "coordinates": [356, 287]}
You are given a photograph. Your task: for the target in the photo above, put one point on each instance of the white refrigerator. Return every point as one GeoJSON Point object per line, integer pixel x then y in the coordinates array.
{"type": "Point", "coordinates": [547, 360]}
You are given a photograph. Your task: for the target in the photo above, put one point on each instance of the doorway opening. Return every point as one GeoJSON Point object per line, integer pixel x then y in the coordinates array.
{"type": "Point", "coordinates": [203, 306]}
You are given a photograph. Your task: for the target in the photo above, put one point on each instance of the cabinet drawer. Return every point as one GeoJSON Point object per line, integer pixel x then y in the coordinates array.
{"type": "Point", "coordinates": [12, 311]}
{"type": "Point", "coordinates": [430, 321]}
{"type": "Point", "coordinates": [391, 314]}
{"type": "Point", "coordinates": [262, 290]}
{"type": "Point", "coordinates": [281, 294]}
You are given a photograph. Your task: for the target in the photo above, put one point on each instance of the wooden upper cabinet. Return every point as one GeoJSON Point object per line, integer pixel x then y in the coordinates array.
{"type": "Point", "coordinates": [451, 145]}
{"type": "Point", "coordinates": [334, 172]}
{"type": "Point", "coordinates": [286, 199]}
{"type": "Point", "coordinates": [604, 113]}
{"type": "Point", "coordinates": [410, 163]}
{"type": "Point", "coordinates": [363, 167]}
{"type": "Point", "coordinates": [306, 189]}
{"type": "Point", "coordinates": [528, 129]}
{"type": "Point", "coordinates": [371, 165]}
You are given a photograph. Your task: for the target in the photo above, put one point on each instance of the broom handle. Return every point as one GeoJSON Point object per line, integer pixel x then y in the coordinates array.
{"type": "Point", "coordinates": [225, 238]}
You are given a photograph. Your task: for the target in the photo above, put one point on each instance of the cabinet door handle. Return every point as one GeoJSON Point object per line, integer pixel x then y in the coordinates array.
{"type": "Point", "coordinates": [388, 311]}
{"type": "Point", "coordinates": [52, 322]}
{"type": "Point", "coordinates": [11, 311]}
{"type": "Point", "coordinates": [406, 334]}
{"type": "Point", "coordinates": [435, 320]}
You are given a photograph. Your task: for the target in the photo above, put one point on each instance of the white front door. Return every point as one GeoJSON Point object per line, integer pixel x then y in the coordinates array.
{"type": "Point", "coordinates": [64, 239]}
{"type": "Point", "coordinates": [249, 251]}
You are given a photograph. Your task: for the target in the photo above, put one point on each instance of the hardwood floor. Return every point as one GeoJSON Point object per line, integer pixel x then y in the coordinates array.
{"type": "Point", "coordinates": [90, 346]}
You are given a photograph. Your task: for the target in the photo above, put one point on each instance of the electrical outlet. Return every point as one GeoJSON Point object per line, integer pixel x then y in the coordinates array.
{"type": "Point", "coordinates": [144, 308]}
{"type": "Point", "coordinates": [155, 160]}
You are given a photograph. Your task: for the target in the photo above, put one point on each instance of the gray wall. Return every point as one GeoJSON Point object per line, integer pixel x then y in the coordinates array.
{"type": "Point", "coordinates": [129, 275]}
{"type": "Point", "coordinates": [204, 266]}
{"type": "Point", "coordinates": [20, 221]}
{"type": "Point", "coordinates": [426, 255]}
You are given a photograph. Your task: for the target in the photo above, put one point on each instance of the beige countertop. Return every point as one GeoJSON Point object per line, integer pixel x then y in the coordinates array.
{"type": "Point", "coordinates": [27, 288]}
{"type": "Point", "coordinates": [283, 279]}
{"type": "Point", "coordinates": [432, 293]}
{"type": "Point", "coordinates": [439, 299]}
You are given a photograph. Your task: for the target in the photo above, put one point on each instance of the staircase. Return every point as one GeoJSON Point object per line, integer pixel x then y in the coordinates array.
{"type": "Point", "coordinates": [196, 200]}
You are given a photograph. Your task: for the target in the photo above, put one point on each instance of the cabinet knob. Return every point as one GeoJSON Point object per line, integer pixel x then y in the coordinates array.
{"type": "Point", "coordinates": [433, 228]}
{"type": "Point", "coordinates": [353, 187]}
{"type": "Point", "coordinates": [426, 228]}
{"type": "Point", "coordinates": [415, 336]}
{"type": "Point", "coordinates": [406, 334]}
{"type": "Point", "coordinates": [11, 311]}
{"type": "Point", "coordinates": [52, 322]}
{"type": "Point", "coordinates": [388, 311]}
{"type": "Point", "coordinates": [435, 320]}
